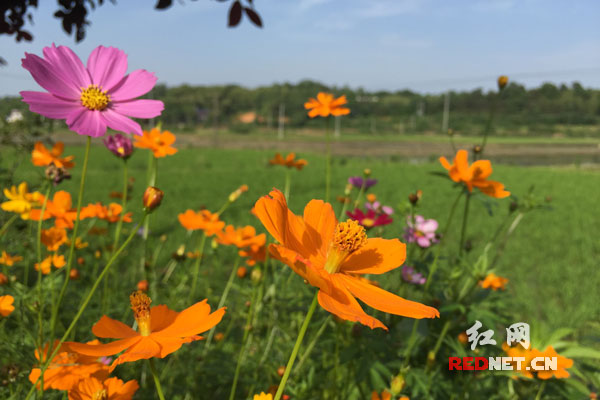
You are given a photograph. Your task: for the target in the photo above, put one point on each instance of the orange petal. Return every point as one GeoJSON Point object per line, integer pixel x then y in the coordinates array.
{"type": "Point", "coordinates": [192, 321]}
{"type": "Point", "coordinates": [318, 110]}
{"type": "Point", "coordinates": [339, 101]}
{"type": "Point", "coordinates": [386, 301]}
{"type": "Point", "coordinates": [324, 98]}
{"type": "Point", "coordinates": [161, 317]}
{"type": "Point", "coordinates": [111, 328]}
{"type": "Point", "coordinates": [320, 223]}
{"type": "Point", "coordinates": [144, 348]}
{"type": "Point", "coordinates": [346, 307]}
{"type": "Point", "coordinates": [376, 257]}
{"type": "Point", "coordinates": [462, 165]}
{"type": "Point", "coordinates": [445, 163]}
{"type": "Point", "coordinates": [119, 390]}
{"type": "Point", "coordinates": [62, 199]}
{"type": "Point", "coordinates": [340, 111]}
{"type": "Point", "coordinates": [107, 349]}
{"type": "Point", "coordinates": [481, 169]}
{"type": "Point", "coordinates": [492, 188]}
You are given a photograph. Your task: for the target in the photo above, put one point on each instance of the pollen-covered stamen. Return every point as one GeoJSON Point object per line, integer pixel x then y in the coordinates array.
{"type": "Point", "coordinates": [348, 237]}
{"type": "Point", "coordinates": [101, 394]}
{"type": "Point", "coordinates": [94, 98]}
{"type": "Point", "coordinates": [140, 304]}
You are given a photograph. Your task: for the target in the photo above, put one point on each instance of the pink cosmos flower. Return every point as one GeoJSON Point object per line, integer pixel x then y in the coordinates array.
{"type": "Point", "coordinates": [369, 219]}
{"type": "Point", "coordinates": [410, 275]}
{"type": "Point", "coordinates": [422, 231]}
{"type": "Point", "coordinates": [90, 98]}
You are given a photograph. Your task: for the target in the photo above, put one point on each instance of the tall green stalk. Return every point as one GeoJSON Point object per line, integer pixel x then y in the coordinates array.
{"type": "Point", "coordinates": [328, 160]}
{"type": "Point", "coordinates": [8, 223]}
{"type": "Point", "coordinates": [290, 363]}
{"type": "Point", "coordinates": [463, 230]}
{"type": "Point", "coordinates": [61, 295]}
{"type": "Point", "coordinates": [84, 304]}
{"type": "Point", "coordinates": [197, 263]}
{"type": "Point", "coordinates": [159, 391]}
{"type": "Point", "coordinates": [39, 282]}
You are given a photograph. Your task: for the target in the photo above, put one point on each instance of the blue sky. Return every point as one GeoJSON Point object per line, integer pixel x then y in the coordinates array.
{"type": "Point", "coordinates": [423, 45]}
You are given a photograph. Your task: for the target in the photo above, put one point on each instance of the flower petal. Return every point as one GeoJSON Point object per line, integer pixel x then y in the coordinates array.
{"type": "Point", "coordinates": [47, 77]}
{"type": "Point", "coordinates": [107, 66]}
{"type": "Point", "coordinates": [346, 307]}
{"type": "Point", "coordinates": [320, 222]}
{"type": "Point", "coordinates": [64, 60]}
{"type": "Point", "coordinates": [161, 317]}
{"type": "Point", "coordinates": [139, 108]}
{"type": "Point", "coordinates": [144, 348]}
{"type": "Point", "coordinates": [386, 301]}
{"type": "Point", "coordinates": [121, 123]}
{"type": "Point", "coordinates": [136, 84]}
{"type": "Point", "coordinates": [87, 122]}
{"type": "Point", "coordinates": [107, 327]}
{"type": "Point", "coordinates": [192, 321]}
{"type": "Point", "coordinates": [376, 257]}
{"type": "Point", "coordinates": [107, 349]}
{"type": "Point", "coordinates": [49, 105]}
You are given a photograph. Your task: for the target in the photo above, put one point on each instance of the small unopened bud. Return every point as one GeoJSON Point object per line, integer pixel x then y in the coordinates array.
{"type": "Point", "coordinates": [463, 338]}
{"type": "Point", "coordinates": [81, 261]}
{"type": "Point", "coordinates": [256, 275]}
{"type": "Point", "coordinates": [367, 172]}
{"type": "Point", "coordinates": [450, 132]}
{"type": "Point", "coordinates": [97, 254]}
{"type": "Point", "coordinates": [143, 285]}
{"type": "Point", "coordinates": [214, 244]}
{"type": "Point", "coordinates": [468, 245]}
{"type": "Point", "coordinates": [56, 174]}
{"type": "Point", "coordinates": [74, 274]}
{"type": "Point", "coordinates": [236, 194]}
{"type": "Point", "coordinates": [477, 149]}
{"type": "Point", "coordinates": [397, 384]}
{"type": "Point", "coordinates": [3, 279]}
{"type": "Point", "coordinates": [179, 255]}
{"type": "Point", "coordinates": [502, 82]}
{"type": "Point", "coordinates": [219, 336]}
{"type": "Point", "coordinates": [281, 371]}
{"type": "Point", "coordinates": [348, 189]}
{"type": "Point", "coordinates": [430, 358]}
{"type": "Point", "coordinates": [152, 198]}
{"type": "Point", "coordinates": [241, 272]}
{"type": "Point", "coordinates": [414, 198]}
{"type": "Point", "coordinates": [371, 198]}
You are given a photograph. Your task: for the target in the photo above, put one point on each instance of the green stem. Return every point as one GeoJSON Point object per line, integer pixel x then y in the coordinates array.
{"type": "Point", "coordinates": [85, 303]}
{"type": "Point", "coordinates": [151, 173]}
{"type": "Point", "coordinates": [123, 206]}
{"type": "Point", "coordinates": [197, 266]}
{"type": "Point", "coordinates": [221, 303]}
{"type": "Point", "coordinates": [538, 396]}
{"type": "Point", "coordinates": [288, 179]}
{"type": "Point", "coordinates": [63, 289]}
{"type": "Point", "coordinates": [8, 224]}
{"type": "Point", "coordinates": [488, 126]}
{"type": "Point", "coordinates": [328, 161]}
{"type": "Point", "coordinates": [312, 344]}
{"type": "Point", "coordinates": [463, 230]}
{"type": "Point", "coordinates": [159, 391]}
{"type": "Point", "coordinates": [244, 342]}
{"type": "Point", "coordinates": [290, 363]}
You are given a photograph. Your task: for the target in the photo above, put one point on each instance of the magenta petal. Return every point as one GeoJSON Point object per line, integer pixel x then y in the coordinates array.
{"type": "Point", "coordinates": [139, 108]}
{"type": "Point", "coordinates": [423, 241]}
{"type": "Point", "coordinates": [107, 66]}
{"type": "Point", "coordinates": [121, 123]}
{"type": "Point", "coordinates": [66, 62]}
{"type": "Point", "coordinates": [87, 122]}
{"type": "Point", "coordinates": [49, 105]}
{"type": "Point", "coordinates": [45, 75]}
{"type": "Point", "coordinates": [136, 84]}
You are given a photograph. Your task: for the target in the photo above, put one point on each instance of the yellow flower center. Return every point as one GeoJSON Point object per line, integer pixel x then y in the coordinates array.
{"type": "Point", "coordinates": [94, 98]}
{"type": "Point", "coordinates": [367, 222]}
{"type": "Point", "coordinates": [101, 394]}
{"type": "Point", "coordinates": [348, 237]}
{"type": "Point", "coordinates": [140, 304]}
{"type": "Point", "coordinates": [120, 150]}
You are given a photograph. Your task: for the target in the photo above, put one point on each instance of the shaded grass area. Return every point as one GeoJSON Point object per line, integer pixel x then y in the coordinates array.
{"type": "Point", "coordinates": [551, 260]}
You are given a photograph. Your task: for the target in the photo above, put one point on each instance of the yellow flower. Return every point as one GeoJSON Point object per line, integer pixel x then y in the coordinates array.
{"type": "Point", "coordinates": [20, 201]}
{"type": "Point", "coordinates": [9, 260]}
{"type": "Point", "coordinates": [263, 396]}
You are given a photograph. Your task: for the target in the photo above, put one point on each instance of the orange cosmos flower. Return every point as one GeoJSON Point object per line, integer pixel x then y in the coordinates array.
{"type": "Point", "coordinates": [562, 364]}
{"type": "Point", "coordinates": [241, 237]}
{"type": "Point", "coordinates": [54, 237]}
{"type": "Point", "coordinates": [48, 262]}
{"type": "Point", "coordinates": [109, 389]}
{"type": "Point", "coordinates": [203, 220]}
{"type": "Point", "coordinates": [42, 157]}
{"type": "Point", "coordinates": [263, 396]}
{"type": "Point", "coordinates": [385, 395]}
{"type": "Point", "coordinates": [494, 282]}
{"type": "Point", "coordinates": [474, 175]}
{"type": "Point", "coordinates": [6, 305]}
{"type": "Point", "coordinates": [289, 161]}
{"type": "Point", "coordinates": [529, 354]}
{"type": "Point", "coordinates": [9, 260]}
{"type": "Point", "coordinates": [67, 368]}
{"type": "Point", "coordinates": [331, 256]}
{"type": "Point", "coordinates": [161, 331]}
{"type": "Point", "coordinates": [325, 105]}
{"type": "Point", "coordinates": [157, 141]}
{"type": "Point", "coordinates": [253, 254]}
{"type": "Point", "coordinates": [60, 208]}
{"type": "Point", "coordinates": [112, 213]}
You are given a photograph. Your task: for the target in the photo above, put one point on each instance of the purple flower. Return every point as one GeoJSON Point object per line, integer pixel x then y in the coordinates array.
{"type": "Point", "coordinates": [93, 97]}
{"type": "Point", "coordinates": [422, 231]}
{"type": "Point", "coordinates": [411, 276]}
{"type": "Point", "coordinates": [358, 182]}
{"type": "Point", "coordinates": [378, 208]}
{"type": "Point", "coordinates": [119, 145]}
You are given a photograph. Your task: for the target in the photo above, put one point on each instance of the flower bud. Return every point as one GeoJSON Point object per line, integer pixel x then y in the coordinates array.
{"type": "Point", "coordinates": [219, 336]}
{"type": "Point", "coordinates": [502, 82]}
{"type": "Point", "coordinates": [3, 279]}
{"type": "Point", "coordinates": [241, 272]}
{"type": "Point", "coordinates": [74, 274]}
{"type": "Point", "coordinates": [238, 192]}
{"type": "Point", "coordinates": [179, 255]}
{"type": "Point", "coordinates": [152, 198]}
{"type": "Point", "coordinates": [477, 149]}
{"type": "Point", "coordinates": [143, 285]}
{"type": "Point", "coordinates": [281, 371]}
{"type": "Point", "coordinates": [121, 146]}
{"type": "Point", "coordinates": [367, 172]}
{"type": "Point", "coordinates": [397, 385]}
{"type": "Point", "coordinates": [348, 189]}
{"type": "Point", "coordinates": [256, 275]}
{"type": "Point", "coordinates": [371, 198]}
{"type": "Point", "coordinates": [414, 198]}
{"type": "Point", "coordinates": [463, 338]}
{"type": "Point", "coordinates": [56, 174]}
{"type": "Point", "coordinates": [450, 132]}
